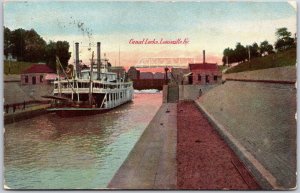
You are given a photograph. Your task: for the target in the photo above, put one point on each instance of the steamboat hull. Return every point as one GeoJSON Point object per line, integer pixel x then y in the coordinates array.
{"type": "Point", "coordinates": [75, 112]}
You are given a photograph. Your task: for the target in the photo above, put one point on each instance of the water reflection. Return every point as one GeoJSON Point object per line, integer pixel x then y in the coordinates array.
{"type": "Point", "coordinates": [81, 152]}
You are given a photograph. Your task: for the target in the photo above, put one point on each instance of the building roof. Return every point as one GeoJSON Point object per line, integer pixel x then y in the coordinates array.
{"type": "Point", "coordinates": [205, 66]}
{"type": "Point", "coordinates": [153, 69]}
{"type": "Point", "coordinates": [38, 68]}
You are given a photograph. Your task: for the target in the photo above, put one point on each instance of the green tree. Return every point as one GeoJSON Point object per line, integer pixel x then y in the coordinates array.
{"type": "Point", "coordinates": [266, 48]}
{"type": "Point", "coordinates": [18, 43]}
{"type": "Point", "coordinates": [60, 49]}
{"type": "Point", "coordinates": [284, 39]}
{"type": "Point", "coordinates": [29, 46]}
{"type": "Point", "coordinates": [254, 50]}
{"type": "Point", "coordinates": [283, 33]}
{"type": "Point", "coordinates": [240, 53]}
{"type": "Point", "coordinates": [50, 53]}
{"type": "Point", "coordinates": [7, 40]}
{"type": "Point", "coordinates": [228, 53]}
{"type": "Point", "coordinates": [34, 47]}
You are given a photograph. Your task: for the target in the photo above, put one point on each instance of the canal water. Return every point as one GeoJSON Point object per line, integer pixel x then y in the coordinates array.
{"type": "Point", "coordinates": [49, 152]}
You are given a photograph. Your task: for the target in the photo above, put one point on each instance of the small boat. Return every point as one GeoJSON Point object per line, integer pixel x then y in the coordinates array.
{"type": "Point", "coordinates": [88, 91]}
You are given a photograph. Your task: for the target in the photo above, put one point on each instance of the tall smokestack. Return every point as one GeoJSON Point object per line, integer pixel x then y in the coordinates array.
{"type": "Point", "coordinates": [98, 59]}
{"type": "Point", "coordinates": [77, 58]}
{"type": "Point", "coordinates": [203, 56]}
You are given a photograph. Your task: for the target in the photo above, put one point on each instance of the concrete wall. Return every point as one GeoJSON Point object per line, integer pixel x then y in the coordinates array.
{"type": "Point", "coordinates": [191, 92]}
{"type": "Point", "coordinates": [287, 73]}
{"type": "Point", "coordinates": [165, 93]}
{"type": "Point", "coordinates": [12, 78]}
{"type": "Point", "coordinates": [261, 116]}
{"type": "Point", "coordinates": [141, 84]}
{"type": "Point", "coordinates": [14, 92]}
{"type": "Point", "coordinates": [26, 114]}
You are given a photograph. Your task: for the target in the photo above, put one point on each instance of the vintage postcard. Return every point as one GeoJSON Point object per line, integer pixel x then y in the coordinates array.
{"type": "Point", "coordinates": [149, 95]}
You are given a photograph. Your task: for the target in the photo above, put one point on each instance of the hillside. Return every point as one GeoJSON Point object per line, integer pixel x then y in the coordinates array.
{"type": "Point", "coordinates": [15, 67]}
{"type": "Point", "coordinates": [286, 58]}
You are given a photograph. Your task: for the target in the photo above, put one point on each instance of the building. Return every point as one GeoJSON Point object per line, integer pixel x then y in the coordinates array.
{"type": "Point", "coordinates": [204, 73]}
{"type": "Point", "coordinates": [37, 74]}
{"type": "Point", "coordinates": [147, 78]}
{"type": "Point", "coordinates": [159, 75]}
{"type": "Point", "coordinates": [133, 73]}
{"type": "Point", "coordinates": [146, 75]}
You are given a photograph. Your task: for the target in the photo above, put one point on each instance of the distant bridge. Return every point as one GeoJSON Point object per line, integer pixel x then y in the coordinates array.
{"type": "Point", "coordinates": [163, 62]}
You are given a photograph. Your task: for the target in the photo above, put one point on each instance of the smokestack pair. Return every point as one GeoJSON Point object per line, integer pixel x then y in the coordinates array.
{"type": "Point", "coordinates": [98, 59]}
{"type": "Point", "coordinates": [203, 56]}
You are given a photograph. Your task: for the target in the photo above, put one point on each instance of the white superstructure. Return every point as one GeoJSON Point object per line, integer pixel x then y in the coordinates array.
{"type": "Point", "coordinates": [93, 88]}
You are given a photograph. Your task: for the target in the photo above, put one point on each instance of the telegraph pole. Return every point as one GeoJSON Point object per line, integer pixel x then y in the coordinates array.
{"type": "Point", "coordinates": [227, 61]}
{"type": "Point", "coordinates": [249, 56]}
{"type": "Point", "coordinates": [249, 52]}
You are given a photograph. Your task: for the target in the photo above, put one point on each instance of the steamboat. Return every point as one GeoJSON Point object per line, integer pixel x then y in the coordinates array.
{"type": "Point", "coordinates": [84, 91]}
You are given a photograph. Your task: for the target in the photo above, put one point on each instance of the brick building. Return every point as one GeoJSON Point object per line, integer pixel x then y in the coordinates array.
{"type": "Point", "coordinates": [133, 73]}
{"type": "Point", "coordinates": [147, 78]}
{"type": "Point", "coordinates": [37, 74]}
{"type": "Point", "coordinates": [204, 73]}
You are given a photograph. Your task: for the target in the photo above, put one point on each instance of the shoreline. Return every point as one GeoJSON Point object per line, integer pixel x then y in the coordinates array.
{"type": "Point", "coordinates": [25, 114]}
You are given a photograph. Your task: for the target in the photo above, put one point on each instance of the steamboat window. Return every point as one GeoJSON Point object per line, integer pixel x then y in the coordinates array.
{"type": "Point", "coordinates": [26, 79]}
{"type": "Point", "coordinates": [41, 78]}
{"type": "Point", "coordinates": [215, 78]}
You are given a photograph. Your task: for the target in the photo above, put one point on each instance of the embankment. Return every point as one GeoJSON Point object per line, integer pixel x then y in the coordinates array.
{"type": "Point", "coordinates": [280, 75]}
{"type": "Point", "coordinates": [260, 116]}
{"type": "Point", "coordinates": [192, 92]}
{"type": "Point", "coordinates": [25, 114]}
{"type": "Point", "coordinates": [15, 92]}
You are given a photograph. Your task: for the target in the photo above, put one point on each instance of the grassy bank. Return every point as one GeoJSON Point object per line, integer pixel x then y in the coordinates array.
{"type": "Point", "coordinates": [15, 67]}
{"type": "Point", "coordinates": [287, 58]}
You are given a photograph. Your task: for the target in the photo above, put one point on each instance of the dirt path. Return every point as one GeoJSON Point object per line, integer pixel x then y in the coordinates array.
{"type": "Point", "coordinates": [204, 160]}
